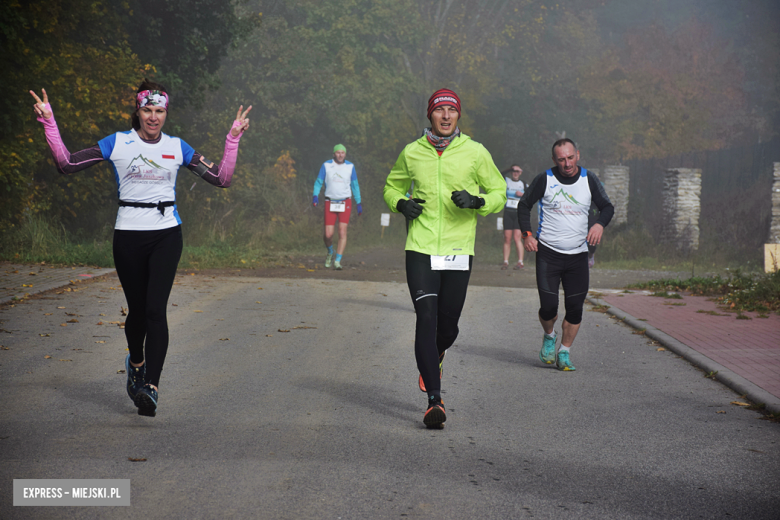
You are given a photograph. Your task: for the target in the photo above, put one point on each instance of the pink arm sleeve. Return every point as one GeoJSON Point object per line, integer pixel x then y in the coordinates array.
{"type": "Point", "coordinates": [65, 162]}
{"type": "Point", "coordinates": [221, 175]}
{"type": "Point", "coordinates": [228, 163]}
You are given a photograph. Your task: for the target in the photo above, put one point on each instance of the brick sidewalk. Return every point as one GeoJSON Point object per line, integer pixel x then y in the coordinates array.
{"type": "Point", "coordinates": [19, 280]}
{"type": "Point", "coordinates": [749, 348]}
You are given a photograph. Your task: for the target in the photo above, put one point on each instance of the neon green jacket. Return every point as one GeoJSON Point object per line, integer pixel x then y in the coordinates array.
{"type": "Point", "coordinates": [443, 228]}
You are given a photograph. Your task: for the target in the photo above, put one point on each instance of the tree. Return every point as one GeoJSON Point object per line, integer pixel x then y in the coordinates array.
{"type": "Point", "coordinates": [90, 77]}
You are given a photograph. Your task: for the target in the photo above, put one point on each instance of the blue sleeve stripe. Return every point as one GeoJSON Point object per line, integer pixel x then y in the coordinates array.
{"type": "Point", "coordinates": [187, 152]}
{"type": "Point", "coordinates": [320, 181]}
{"type": "Point", "coordinates": [107, 146]}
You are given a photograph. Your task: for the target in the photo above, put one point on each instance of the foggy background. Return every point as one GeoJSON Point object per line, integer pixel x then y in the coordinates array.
{"type": "Point", "coordinates": [648, 84]}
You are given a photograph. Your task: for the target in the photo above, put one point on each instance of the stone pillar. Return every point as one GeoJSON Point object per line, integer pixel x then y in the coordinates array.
{"type": "Point", "coordinates": [615, 181]}
{"type": "Point", "coordinates": [774, 229]}
{"type": "Point", "coordinates": [682, 206]}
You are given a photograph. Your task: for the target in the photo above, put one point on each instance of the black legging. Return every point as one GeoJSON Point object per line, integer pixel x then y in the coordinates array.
{"type": "Point", "coordinates": [146, 263]}
{"type": "Point", "coordinates": [438, 298]}
{"type": "Point", "coordinates": [552, 270]}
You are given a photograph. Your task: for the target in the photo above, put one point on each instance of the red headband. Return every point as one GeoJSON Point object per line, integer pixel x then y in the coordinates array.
{"type": "Point", "coordinates": [443, 97]}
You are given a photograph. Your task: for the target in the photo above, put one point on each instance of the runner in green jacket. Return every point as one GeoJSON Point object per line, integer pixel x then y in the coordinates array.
{"type": "Point", "coordinates": [447, 169]}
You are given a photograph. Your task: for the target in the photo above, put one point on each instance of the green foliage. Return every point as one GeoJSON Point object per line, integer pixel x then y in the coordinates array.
{"type": "Point", "coordinates": [89, 76]}
{"type": "Point", "coordinates": [185, 40]}
{"type": "Point", "coordinates": [737, 291]}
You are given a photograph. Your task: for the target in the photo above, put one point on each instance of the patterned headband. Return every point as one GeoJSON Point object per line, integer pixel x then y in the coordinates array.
{"type": "Point", "coordinates": [156, 98]}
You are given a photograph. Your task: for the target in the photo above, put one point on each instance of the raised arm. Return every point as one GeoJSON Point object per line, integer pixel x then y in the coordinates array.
{"type": "Point", "coordinates": [221, 175]}
{"type": "Point", "coordinates": [65, 161]}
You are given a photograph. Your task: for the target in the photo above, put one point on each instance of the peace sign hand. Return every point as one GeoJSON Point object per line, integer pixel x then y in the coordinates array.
{"type": "Point", "coordinates": [241, 123]}
{"type": "Point", "coordinates": [42, 108]}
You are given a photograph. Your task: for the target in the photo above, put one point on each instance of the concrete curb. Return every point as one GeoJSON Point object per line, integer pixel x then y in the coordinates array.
{"type": "Point", "coordinates": [55, 284]}
{"type": "Point", "coordinates": [725, 376]}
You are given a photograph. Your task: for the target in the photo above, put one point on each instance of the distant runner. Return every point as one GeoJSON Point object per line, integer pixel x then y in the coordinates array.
{"type": "Point", "coordinates": [447, 169]}
{"type": "Point", "coordinates": [514, 190]}
{"type": "Point", "coordinates": [147, 234]}
{"type": "Point", "coordinates": [340, 180]}
{"type": "Point", "coordinates": [564, 194]}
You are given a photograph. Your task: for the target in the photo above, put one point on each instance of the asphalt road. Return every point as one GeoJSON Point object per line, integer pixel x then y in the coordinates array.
{"type": "Point", "coordinates": [325, 421]}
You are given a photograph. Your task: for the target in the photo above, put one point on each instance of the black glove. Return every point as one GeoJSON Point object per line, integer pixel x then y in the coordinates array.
{"type": "Point", "coordinates": [410, 208]}
{"type": "Point", "coordinates": [465, 200]}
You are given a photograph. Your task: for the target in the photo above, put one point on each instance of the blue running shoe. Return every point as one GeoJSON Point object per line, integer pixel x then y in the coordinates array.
{"type": "Point", "coordinates": [146, 401]}
{"type": "Point", "coordinates": [564, 363]}
{"type": "Point", "coordinates": [547, 354]}
{"type": "Point", "coordinates": [135, 377]}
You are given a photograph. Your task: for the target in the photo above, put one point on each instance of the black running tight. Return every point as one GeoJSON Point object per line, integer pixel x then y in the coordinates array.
{"type": "Point", "coordinates": [146, 263]}
{"type": "Point", "coordinates": [554, 269]}
{"type": "Point", "coordinates": [438, 298]}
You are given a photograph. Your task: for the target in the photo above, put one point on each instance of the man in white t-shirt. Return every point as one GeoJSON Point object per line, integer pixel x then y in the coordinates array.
{"type": "Point", "coordinates": [340, 180]}
{"type": "Point", "coordinates": [564, 193]}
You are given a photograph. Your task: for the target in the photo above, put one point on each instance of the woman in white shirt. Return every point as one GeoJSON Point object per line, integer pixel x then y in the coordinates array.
{"type": "Point", "coordinates": [514, 190]}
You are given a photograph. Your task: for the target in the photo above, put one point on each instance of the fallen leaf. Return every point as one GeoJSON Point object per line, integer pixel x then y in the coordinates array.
{"type": "Point", "coordinates": [71, 314]}
{"type": "Point", "coordinates": [120, 371]}
{"type": "Point", "coordinates": [174, 305]}
{"type": "Point", "coordinates": [101, 341]}
{"type": "Point", "coordinates": [720, 411]}
{"type": "Point", "coordinates": [74, 320]}
{"type": "Point", "coordinates": [131, 459]}
{"type": "Point", "coordinates": [66, 360]}
{"type": "Point", "coordinates": [63, 324]}
{"type": "Point", "coordinates": [44, 335]}
{"type": "Point", "coordinates": [283, 330]}
{"type": "Point", "coordinates": [60, 307]}
{"type": "Point", "coordinates": [260, 288]}
{"type": "Point", "coordinates": [224, 339]}
{"type": "Point", "coordinates": [304, 327]}
{"type": "Point", "coordinates": [123, 311]}
{"type": "Point", "coordinates": [269, 335]}
{"type": "Point", "coordinates": [33, 274]}
{"type": "Point", "coordinates": [46, 357]}
{"type": "Point", "coordinates": [660, 349]}
{"type": "Point", "coordinates": [258, 302]}
{"type": "Point", "coordinates": [310, 270]}
{"type": "Point", "coordinates": [114, 322]}
{"type": "Point", "coordinates": [101, 314]}
{"type": "Point", "coordinates": [197, 311]}
{"type": "Point", "coordinates": [47, 314]}
{"type": "Point", "coordinates": [4, 348]}
{"type": "Point", "coordinates": [100, 323]}
{"type": "Point", "coordinates": [740, 403]}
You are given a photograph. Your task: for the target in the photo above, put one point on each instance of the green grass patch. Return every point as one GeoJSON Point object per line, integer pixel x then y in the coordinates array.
{"type": "Point", "coordinates": [737, 291]}
{"type": "Point", "coordinates": [665, 294]}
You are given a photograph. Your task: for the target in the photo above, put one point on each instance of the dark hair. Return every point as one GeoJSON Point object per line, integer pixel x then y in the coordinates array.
{"type": "Point", "coordinates": [145, 85]}
{"type": "Point", "coordinates": [561, 142]}
{"type": "Point", "coordinates": [509, 170]}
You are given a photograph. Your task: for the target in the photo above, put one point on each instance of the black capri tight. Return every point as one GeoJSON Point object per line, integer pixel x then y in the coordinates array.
{"type": "Point", "coordinates": [146, 263]}
{"type": "Point", "coordinates": [552, 270]}
{"type": "Point", "coordinates": [438, 298]}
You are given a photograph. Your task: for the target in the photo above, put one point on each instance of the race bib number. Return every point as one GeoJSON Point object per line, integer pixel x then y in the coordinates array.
{"type": "Point", "coordinates": [450, 263]}
{"type": "Point", "coordinates": [512, 203]}
{"type": "Point", "coordinates": [338, 207]}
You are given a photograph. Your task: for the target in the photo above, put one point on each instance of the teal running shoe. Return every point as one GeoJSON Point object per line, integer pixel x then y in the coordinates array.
{"type": "Point", "coordinates": [329, 260]}
{"type": "Point", "coordinates": [547, 354]}
{"type": "Point", "coordinates": [135, 377]}
{"type": "Point", "coordinates": [146, 401]}
{"type": "Point", "coordinates": [564, 363]}
{"type": "Point", "coordinates": [337, 265]}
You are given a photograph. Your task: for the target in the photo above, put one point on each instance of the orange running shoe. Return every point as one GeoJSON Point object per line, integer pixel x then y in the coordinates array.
{"type": "Point", "coordinates": [420, 381]}
{"type": "Point", "coordinates": [436, 415]}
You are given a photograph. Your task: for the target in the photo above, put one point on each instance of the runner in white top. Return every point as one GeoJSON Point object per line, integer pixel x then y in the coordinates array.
{"type": "Point", "coordinates": [514, 190]}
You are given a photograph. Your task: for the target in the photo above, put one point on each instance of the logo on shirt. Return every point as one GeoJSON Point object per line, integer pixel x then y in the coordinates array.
{"type": "Point", "coordinates": [169, 156]}
{"type": "Point", "coordinates": [141, 168]}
